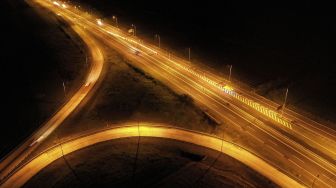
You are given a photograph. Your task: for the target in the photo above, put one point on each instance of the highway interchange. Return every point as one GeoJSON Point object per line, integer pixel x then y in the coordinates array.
{"type": "Point", "coordinates": [302, 149]}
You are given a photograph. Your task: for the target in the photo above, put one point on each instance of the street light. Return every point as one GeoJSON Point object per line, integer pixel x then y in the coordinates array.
{"type": "Point", "coordinates": [158, 37]}
{"type": "Point", "coordinates": [116, 20]}
{"type": "Point", "coordinates": [134, 30]}
{"type": "Point", "coordinates": [64, 89]}
{"type": "Point", "coordinates": [230, 73]}
{"type": "Point", "coordinates": [284, 105]}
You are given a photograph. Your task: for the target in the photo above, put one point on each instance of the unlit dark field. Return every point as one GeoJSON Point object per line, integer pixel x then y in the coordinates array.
{"type": "Point", "coordinates": [160, 163]}
{"type": "Point", "coordinates": [127, 94]}
{"type": "Point", "coordinates": [38, 53]}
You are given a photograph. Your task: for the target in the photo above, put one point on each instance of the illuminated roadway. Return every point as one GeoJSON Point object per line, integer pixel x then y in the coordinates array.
{"type": "Point", "coordinates": [303, 149]}
{"type": "Point", "coordinates": [32, 167]}
{"type": "Point", "coordinates": [299, 147]}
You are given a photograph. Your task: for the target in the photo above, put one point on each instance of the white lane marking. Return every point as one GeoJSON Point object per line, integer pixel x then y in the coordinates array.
{"type": "Point", "coordinates": [298, 159]}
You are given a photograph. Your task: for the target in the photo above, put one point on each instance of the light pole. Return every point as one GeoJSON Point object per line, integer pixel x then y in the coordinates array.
{"type": "Point", "coordinates": [64, 89]}
{"type": "Point", "coordinates": [189, 53]}
{"type": "Point", "coordinates": [158, 37]}
{"type": "Point", "coordinates": [284, 105]}
{"type": "Point", "coordinates": [230, 73]}
{"type": "Point", "coordinates": [116, 20]}
{"type": "Point", "coordinates": [134, 30]}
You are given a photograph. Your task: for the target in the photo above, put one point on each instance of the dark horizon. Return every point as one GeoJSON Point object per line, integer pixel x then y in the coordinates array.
{"type": "Point", "coordinates": [281, 44]}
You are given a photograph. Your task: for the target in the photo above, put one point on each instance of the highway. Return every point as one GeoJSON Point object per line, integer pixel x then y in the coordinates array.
{"type": "Point", "coordinates": [297, 146]}
{"type": "Point", "coordinates": [13, 159]}
{"type": "Point", "coordinates": [301, 151]}
{"type": "Point", "coordinates": [32, 167]}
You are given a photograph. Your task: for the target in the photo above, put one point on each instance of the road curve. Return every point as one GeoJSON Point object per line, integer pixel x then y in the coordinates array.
{"type": "Point", "coordinates": [12, 160]}
{"type": "Point", "coordinates": [297, 152]}
{"type": "Point", "coordinates": [32, 167]}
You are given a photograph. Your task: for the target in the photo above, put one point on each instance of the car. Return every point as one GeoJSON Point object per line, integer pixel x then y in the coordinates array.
{"type": "Point", "coordinates": [87, 84]}
{"type": "Point", "coordinates": [36, 141]}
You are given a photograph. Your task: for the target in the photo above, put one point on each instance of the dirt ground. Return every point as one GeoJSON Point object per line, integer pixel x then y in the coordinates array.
{"type": "Point", "coordinates": [128, 94]}
{"type": "Point", "coordinates": [159, 163]}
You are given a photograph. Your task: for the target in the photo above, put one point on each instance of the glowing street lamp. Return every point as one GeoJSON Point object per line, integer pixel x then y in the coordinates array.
{"type": "Point", "coordinates": [230, 73]}
{"type": "Point", "coordinates": [64, 88]}
{"type": "Point", "coordinates": [116, 20]}
{"type": "Point", "coordinates": [284, 105]}
{"type": "Point", "coordinates": [134, 29]}
{"type": "Point", "coordinates": [158, 37]}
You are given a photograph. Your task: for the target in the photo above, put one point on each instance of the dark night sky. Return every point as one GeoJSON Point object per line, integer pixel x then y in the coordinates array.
{"type": "Point", "coordinates": [276, 35]}
{"type": "Point", "coordinates": [283, 43]}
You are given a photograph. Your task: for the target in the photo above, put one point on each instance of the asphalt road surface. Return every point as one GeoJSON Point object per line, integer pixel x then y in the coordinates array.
{"type": "Point", "coordinates": [302, 149]}
{"type": "Point", "coordinates": [21, 176]}
{"type": "Point", "coordinates": [13, 159]}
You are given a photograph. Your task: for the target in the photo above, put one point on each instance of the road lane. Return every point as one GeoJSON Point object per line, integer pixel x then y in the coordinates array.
{"type": "Point", "coordinates": [181, 75]}
{"type": "Point", "coordinates": [32, 167]}
{"type": "Point", "coordinates": [161, 73]}
{"type": "Point", "coordinates": [308, 178]}
{"type": "Point", "coordinates": [11, 161]}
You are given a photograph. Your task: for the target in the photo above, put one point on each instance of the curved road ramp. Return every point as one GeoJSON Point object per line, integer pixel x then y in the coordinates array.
{"type": "Point", "coordinates": [19, 177]}
{"type": "Point", "coordinates": [14, 159]}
